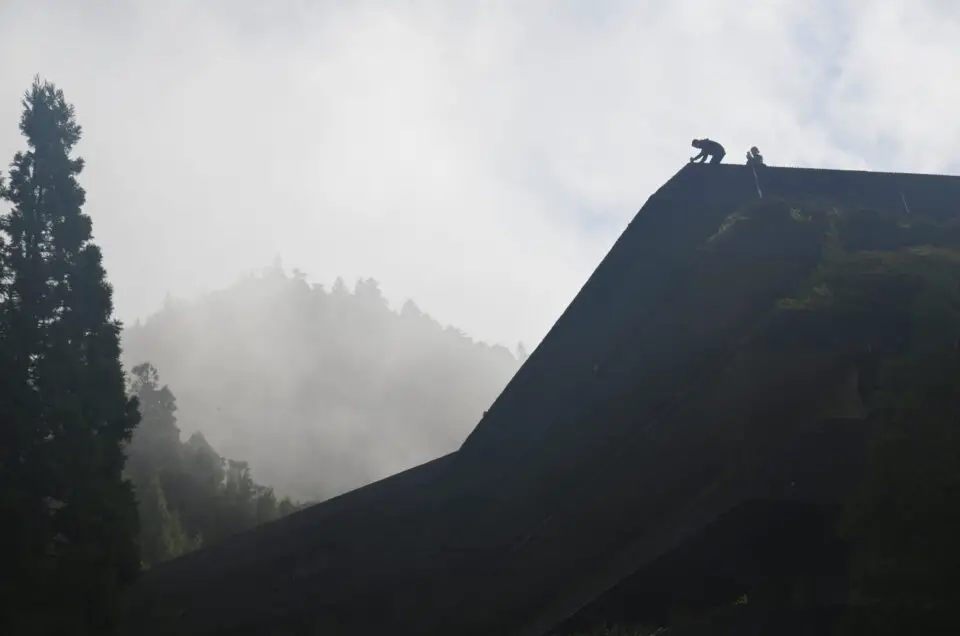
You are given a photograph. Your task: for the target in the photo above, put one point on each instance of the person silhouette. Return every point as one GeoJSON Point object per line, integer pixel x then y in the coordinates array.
{"type": "Point", "coordinates": [708, 148]}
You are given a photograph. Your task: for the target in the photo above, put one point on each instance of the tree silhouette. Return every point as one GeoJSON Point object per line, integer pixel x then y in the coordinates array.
{"type": "Point", "coordinates": [69, 518]}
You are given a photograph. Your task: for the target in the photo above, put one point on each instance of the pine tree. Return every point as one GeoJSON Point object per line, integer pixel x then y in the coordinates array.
{"type": "Point", "coordinates": [69, 518]}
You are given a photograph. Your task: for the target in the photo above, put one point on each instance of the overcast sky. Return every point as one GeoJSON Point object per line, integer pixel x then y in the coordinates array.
{"type": "Point", "coordinates": [479, 157]}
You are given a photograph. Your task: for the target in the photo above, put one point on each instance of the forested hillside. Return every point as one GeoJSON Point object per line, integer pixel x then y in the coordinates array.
{"type": "Point", "coordinates": [187, 494]}
{"type": "Point", "coordinates": [320, 391]}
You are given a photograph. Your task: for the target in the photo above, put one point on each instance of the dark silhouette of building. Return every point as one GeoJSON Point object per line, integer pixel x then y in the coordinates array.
{"type": "Point", "coordinates": [653, 455]}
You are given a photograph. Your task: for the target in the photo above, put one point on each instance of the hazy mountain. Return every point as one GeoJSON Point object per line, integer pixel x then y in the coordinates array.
{"type": "Point", "coordinates": [321, 391]}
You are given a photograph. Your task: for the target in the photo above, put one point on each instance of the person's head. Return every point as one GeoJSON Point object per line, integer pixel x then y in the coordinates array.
{"type": "Point", "coordinates": [696, 143]}
{"type": "Point", "coordinates": [754, 151]}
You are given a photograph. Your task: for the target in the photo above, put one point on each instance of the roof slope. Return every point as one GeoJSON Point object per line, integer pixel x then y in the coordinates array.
{"type": "Point", "coordinates": [655, 248]}
{"type": "Point", "coordinates": [643, 413]}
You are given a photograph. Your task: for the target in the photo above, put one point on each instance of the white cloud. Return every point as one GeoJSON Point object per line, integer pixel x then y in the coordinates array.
{"type": "Point", "coordinates": [479, 157]}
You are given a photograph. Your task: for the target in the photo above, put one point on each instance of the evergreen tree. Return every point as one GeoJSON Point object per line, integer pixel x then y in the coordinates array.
{"type": "Point", "coordinates": [69, 518]}
{"type": "Point", "coordinates": [240, 496]}
{"type": "Point", "coordinates": [155, 447]}
{"type": "Point", "coordinates": [196, 490]}
{"type": "Point", "coordinates": [162, 535]}
{"type": "Point", "coordinates": [154, 460]}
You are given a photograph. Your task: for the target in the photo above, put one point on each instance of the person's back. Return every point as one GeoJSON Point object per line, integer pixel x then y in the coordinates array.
{"type": "Point", "coordinates": [713, 148]}
{"type": "Point", "coordinates": [708, 148]}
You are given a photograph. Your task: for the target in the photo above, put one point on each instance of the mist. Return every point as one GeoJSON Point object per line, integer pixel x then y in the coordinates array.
{"type": "Point", "coordinates": [319, 391]}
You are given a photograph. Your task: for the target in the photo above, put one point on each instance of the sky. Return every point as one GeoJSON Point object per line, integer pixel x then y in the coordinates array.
{"type": "Point", "coordinates": [478, 156]}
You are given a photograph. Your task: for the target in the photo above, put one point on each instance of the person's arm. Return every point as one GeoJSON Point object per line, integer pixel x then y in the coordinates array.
{"type": "Point", "coordinates": [700, 157]}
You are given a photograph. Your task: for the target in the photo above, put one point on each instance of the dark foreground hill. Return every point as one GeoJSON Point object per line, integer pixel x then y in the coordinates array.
{"type": "Point", "coordinates": [319, 391]}
{"type": "Point", "coordinates": [732, 410]}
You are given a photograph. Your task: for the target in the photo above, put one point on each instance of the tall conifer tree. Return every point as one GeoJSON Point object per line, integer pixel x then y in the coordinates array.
{"type": "Point", "coordinates": [69, 516]}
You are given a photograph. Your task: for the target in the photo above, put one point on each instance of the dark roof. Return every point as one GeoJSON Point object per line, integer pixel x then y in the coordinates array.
{"type": "Point", "coordinates": [642, 414]}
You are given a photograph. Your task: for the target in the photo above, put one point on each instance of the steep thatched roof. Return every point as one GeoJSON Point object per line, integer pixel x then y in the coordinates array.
{"type": "Point", "coordinates": [657, 403]}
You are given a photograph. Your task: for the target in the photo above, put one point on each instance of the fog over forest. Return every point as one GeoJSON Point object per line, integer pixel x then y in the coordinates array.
{"type": "Point", "coordinates": [319, 390]}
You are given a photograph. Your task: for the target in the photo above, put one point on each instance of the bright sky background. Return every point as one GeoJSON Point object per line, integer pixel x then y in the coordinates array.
{"type": "Point", "coordinates": [479, 157]}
